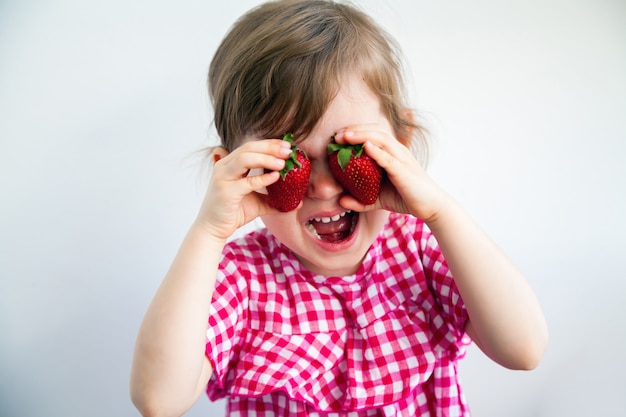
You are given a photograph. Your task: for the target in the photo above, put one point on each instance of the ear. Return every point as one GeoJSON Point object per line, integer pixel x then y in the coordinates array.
{"type": "Point", "coordinates": [405, 136]}
{"type": "Point", "coordinates": [218, 153]}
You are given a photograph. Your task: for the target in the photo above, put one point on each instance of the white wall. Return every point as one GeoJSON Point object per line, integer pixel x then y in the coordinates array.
{"type": "Point", "coordinates": [102, 102]}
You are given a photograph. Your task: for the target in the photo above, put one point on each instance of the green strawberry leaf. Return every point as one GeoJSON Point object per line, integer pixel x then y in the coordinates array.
{"type": "Point", "coordinates": [343, 156]}
{"type": "Point", "coordinates": [292, 162]}
{"type": "Point", "coordinates": [344, 152]}
{"type": "Point", "coordinates": [294, 158]}
{"type": "Point", "coordinates": [333, 147]}
{"type": "Point", "coordinates": [288, 167]}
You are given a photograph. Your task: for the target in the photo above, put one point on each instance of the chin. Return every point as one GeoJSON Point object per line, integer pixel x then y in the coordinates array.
{"type": "Point", "coordinates": [330, 246]}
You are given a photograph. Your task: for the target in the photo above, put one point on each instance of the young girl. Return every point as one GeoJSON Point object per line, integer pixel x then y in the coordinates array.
{"type": "Point", "coordinates": [334, 308]}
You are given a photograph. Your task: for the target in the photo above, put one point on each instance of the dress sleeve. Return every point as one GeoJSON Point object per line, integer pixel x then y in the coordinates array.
{"type": "Point", "coordinates": [452, 317]}
{"type": "Point", "coordinates": [227, 318]}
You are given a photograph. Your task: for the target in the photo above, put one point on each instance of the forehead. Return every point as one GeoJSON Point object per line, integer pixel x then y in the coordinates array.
{"type": "Point", "coordinates": [354, 104]}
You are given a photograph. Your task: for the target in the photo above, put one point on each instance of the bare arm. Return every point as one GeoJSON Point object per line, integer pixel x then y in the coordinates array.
{"type": "Point", "coordinates": [170, 369]}
{"type": "Point", "coordinates": [505, 319]}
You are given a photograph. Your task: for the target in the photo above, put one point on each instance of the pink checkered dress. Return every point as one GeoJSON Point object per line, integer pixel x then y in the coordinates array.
{"type": "Point", "coordinates": [382, 342]}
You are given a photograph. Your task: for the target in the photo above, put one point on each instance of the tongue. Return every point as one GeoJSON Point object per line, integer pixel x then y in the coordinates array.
{"type": "Point", "coordinates": [333, 231]}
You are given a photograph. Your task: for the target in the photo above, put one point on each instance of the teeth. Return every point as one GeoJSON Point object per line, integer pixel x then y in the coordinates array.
{"type": "Point", "coordinates": [311, 229]}
{"type": "Point", "coordinates": [330, 219]}
{"type": "Point", "coordinates": [334, 218]}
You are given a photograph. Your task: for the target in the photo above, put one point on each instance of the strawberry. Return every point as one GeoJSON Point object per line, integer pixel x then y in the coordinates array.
{"type": "Point", "coordinates": [286, 193]}
{"type": "Point", "coordinates": [356, 171]}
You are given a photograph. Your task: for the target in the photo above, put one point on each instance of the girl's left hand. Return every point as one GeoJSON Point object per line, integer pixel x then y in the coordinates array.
{"type": "Point", "coordinates": [494, 291]}
{"type": "Point", "coordinates": [408, 189]}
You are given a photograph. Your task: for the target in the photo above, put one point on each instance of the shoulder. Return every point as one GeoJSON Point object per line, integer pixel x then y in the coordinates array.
{"type": "Point", "coordinates": [251, 248]}
{"type": "Point", "coordinates": [256, 257]}
{"type": "Point", "coordinates": [243, 260]}
{"type": "Point", "coordinates": [408, 236]}
{"type": "Point", "coordinates": [408, 230]}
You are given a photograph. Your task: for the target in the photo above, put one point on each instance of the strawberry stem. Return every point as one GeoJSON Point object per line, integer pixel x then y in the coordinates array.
{"type": "Point", "coordinates": [344, 152]}
{"type": "Point", "coordinates": [289, 137]}
{"type": "Point", "coordinates": [292, 162]}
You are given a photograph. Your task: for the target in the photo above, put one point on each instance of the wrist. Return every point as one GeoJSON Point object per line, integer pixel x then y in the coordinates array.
{"type": "Point", "coordinates": [447, 215]}
{"type": "Point", "coordinates": [432, 204]}
{"type": "Point", "coordinates": [441, 207]}
{"type": "Point", "coordinates": [208, 234]}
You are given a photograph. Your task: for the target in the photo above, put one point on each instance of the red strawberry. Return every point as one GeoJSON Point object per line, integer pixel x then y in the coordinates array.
{"type": "Point", "coordinates": [286, 193]}
{"type": "Point", "coordinates": [356, 171]}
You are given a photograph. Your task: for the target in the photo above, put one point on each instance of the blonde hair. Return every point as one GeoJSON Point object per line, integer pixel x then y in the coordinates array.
{"type": "Point", "coordinates": [280, 65]}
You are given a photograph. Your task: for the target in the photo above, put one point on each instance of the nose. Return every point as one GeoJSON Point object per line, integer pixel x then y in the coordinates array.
{"type": "Point", "coordinates": [323, 185]}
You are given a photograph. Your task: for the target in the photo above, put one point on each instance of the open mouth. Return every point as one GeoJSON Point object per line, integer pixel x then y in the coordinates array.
{"type": "Point", "coordinates": [333, 229]}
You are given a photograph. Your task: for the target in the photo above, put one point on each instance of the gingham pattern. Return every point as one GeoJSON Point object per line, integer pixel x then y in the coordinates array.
{"type": "Point", "coordinates": [382, 342]}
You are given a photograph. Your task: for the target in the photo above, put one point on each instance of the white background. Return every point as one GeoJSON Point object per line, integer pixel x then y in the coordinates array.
{"type": "Point", "coordinates": [102, 105]}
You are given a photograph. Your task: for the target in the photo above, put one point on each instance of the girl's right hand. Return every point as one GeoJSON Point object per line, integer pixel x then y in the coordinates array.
{"type": "Point", "coordinates": [232, 198]}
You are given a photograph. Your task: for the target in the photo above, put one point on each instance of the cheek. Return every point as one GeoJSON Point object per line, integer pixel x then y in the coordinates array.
{"type": "Point", "coordinates": [376, 220]}
{"type": "Point", "coordinates": [282, 225]}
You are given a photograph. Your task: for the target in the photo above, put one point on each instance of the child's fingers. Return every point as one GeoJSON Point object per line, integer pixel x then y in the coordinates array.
{"type": "Point", "coordinates": [354, 134]}
{"type": "Point", "coordinates": [405, 174]}
{"type": "Point", "coordinates": [250, 156]}
{"type": "Point", "coordinates": [382, 157]}
{"type": "Point", "coordinates": [233, 196]}
{"type": "Point", "coordinates": [259, 182]}
{"type": "Point", "coordinates": [377, 137]}
{"type": "Point", "coordinates": [386, 150]}
{"type": "Point", "coordinates": [350, 203]}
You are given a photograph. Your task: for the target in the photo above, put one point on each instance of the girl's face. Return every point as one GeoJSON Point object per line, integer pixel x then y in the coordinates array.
{"type": "Point", "coordinates": [325, 237]}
